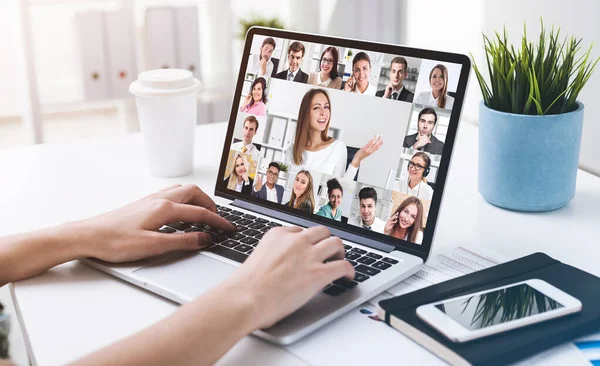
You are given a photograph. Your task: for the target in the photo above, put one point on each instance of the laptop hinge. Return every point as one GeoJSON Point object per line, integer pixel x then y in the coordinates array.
{"type": "Point", "coordinates": [372, 243]}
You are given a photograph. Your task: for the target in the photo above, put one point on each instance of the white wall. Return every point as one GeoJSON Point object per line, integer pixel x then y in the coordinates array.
{"type": "Point", "coordinates": [57, 58]}
{"type": "Point", "coordinates": [576, 17]}
{"type": "Point", "coordinates": [453, 26]}
{"type": "Point", "coordinates": [10, 89]}
{"type": "Point", "coordinates": [359, 117]}
{"type": "Point", "coordinates": [381, 20]}
{"type": "Point", "coordinates": [458, 27]}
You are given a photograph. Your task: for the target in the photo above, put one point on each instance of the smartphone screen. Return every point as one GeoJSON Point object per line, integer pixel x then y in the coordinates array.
{"type": "Point", "coordinates": [499, 306]}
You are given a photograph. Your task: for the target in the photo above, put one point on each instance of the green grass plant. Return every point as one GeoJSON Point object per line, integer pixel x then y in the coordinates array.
{"type": "Point", "coordinates": [536, 79]}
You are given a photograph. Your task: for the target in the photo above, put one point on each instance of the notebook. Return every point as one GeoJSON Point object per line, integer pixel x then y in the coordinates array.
{"type": "Point", "coordinates": [510, 346]}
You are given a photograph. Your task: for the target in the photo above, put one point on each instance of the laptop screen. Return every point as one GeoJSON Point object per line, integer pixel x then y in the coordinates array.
{"type": "Point", "coordinates": [343, 133]}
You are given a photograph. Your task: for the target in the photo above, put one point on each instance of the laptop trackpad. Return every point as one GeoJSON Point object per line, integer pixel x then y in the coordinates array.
{"type": "Point", "coordinates": [185, 276]}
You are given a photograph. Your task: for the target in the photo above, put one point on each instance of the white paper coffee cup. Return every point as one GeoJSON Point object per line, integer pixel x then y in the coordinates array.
{"type": "Point", "coordinates": [166, 101]}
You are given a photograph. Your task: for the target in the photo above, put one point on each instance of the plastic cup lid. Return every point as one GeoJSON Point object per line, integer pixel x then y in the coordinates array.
{"type": "Point", "coordinates": [164, 82]}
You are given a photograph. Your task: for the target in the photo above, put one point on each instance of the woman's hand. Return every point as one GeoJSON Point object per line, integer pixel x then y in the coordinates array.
{"type": "Point", "coordinates": [389, 225]}
{"type": "Point", "coordinates": [364, 152]}
{"type": "Point", "coordinates": [285, 271]}
{"type": "Point", "coordinates": [350, 83]}
{"type": "Point", "coordinates": [130, 232]}
{"type": "Point", "coordinates": [245, 177]}
{"type": "Point", "coordinates": [288, 268]}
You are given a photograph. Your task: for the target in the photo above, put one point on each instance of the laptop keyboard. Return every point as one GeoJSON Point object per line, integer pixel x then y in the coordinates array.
{"type": "Point", "coordinates": [238, 245]}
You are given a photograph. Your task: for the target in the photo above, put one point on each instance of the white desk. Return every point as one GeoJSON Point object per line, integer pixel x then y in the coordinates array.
{"type": "Point", "coordinates": [73, 310]}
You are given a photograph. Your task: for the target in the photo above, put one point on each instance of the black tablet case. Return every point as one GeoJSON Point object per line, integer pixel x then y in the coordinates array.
{"type": "Point", "coordinates": [512, 345]}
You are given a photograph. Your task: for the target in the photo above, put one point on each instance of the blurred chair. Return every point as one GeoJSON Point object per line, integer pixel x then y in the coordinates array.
{"type": "Point", "coordinates": [351, 152]}
{"type": "Point", "coordinates": [275, 62]}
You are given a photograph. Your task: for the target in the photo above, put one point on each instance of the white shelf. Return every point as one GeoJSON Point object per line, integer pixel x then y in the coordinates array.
{"type": "Point", "coordinates": [211, 101]}
{"type": "Point", "coordinates": [272, 147]}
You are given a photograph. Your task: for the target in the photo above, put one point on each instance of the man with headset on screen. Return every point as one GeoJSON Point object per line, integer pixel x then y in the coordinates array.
{"type": "Point", "coordinates": [424, 140]}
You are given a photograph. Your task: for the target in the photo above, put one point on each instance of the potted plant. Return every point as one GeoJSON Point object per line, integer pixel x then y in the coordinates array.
{"type": "Point", "coordinates": [283, 170]}
{"type": "Point", "coordinates": [530, 120]}
{"type": "Point", "coordinates": [246, 24]}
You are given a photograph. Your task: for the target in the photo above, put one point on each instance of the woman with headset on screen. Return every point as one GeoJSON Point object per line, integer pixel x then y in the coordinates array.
{"type": "Point", "coordinates": [437, 97]}
{"type": "Point", "coordinates": [256, 101]}
{"type": "Point", "coordinates": [302, 192]}
{"type": "Point", "coordinates": [406, 222]}
{"type": "Point", "coordinates": [314, 150]}
{"type": "Point", "coordinates": [416, 183]}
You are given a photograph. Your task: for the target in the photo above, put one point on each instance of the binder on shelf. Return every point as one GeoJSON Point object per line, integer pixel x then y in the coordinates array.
{"type": "Point", "coordinates": [277, 132]}
{"type": "Point", "coordinates": [290, 134]}
{"type": "Point", "coordinates": [187, 39]}
{"type": "Point", "coordinates": [317, 49]}
{"type": "Point", "coordinates": [268, 154]}
{"type": "Point", "coordinates": [263, 153]}
{"type": "Point", "coordinates": [508, 346]}
{"type": "Point", "coordinates": [161, 52]}
{"type": "Point", "coordinates": [120, 51]}
{"type": "Point", "coordinates": [90, 29]}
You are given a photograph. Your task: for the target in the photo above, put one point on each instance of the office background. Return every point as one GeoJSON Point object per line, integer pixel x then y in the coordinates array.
{"type": "Point", "coordinates": [50, 87]}
{"type": "Point", "coordinates": [52, 43]}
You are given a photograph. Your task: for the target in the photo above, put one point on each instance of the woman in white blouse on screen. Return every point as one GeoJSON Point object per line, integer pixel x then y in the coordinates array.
{"type": "Point", "coordinates": [314, 150]}
{"type": "Point", "coordinates": [361, 71]}
{"type": "Point", "coordinates": [406, 222]}
{"type": "Point", "coordinates": [438, 96]}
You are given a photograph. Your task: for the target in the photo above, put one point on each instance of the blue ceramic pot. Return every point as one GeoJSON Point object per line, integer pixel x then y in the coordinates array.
{"type": "Point", "coordinates": [528, 163]}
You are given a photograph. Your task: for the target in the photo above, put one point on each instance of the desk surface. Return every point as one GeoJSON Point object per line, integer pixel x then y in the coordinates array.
{"type": "Point", "coordinates": [73, 310]}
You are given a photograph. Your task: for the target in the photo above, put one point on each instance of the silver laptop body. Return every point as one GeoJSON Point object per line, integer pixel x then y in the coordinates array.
{"type": "Point", "coordinates": [182, 277]}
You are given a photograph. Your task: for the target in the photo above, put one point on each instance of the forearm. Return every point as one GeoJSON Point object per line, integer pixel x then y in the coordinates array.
{"type": "Point", "coordinates": [199, 333]}
{"type": "Point", "coordinates": [26, 255]}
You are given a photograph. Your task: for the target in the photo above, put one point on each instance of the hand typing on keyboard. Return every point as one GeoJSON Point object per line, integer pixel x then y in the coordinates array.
{"type": "Point", "coordinates": [284, 272]}
{"type": "Point", "coordinates": [130, 232]}
{"type": "Point", "coordinates": [289, 267]}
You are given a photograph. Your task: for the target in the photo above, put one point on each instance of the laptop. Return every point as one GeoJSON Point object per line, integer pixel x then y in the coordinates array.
{"type": "Point", "coordinates": [350, 134]}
